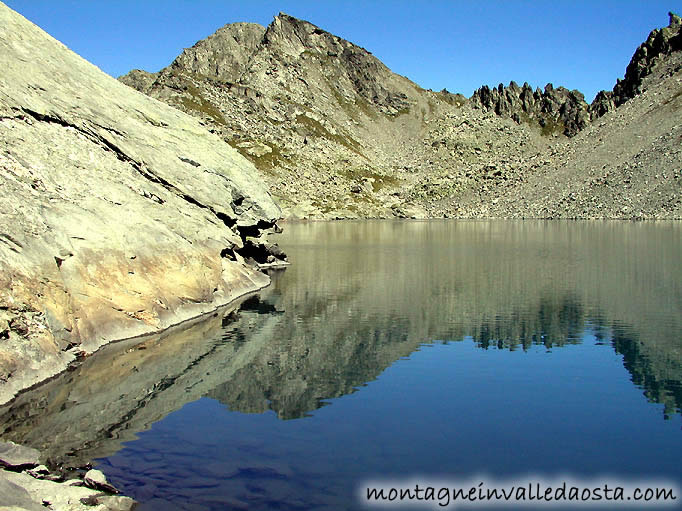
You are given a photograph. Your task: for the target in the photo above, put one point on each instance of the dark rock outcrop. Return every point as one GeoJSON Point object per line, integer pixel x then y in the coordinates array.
{"type": "Point", "coordinates": [563, 110]}
{"type": "Point", "coordinates": [661, 42]}
{"type": "Point", "coordinates": [556, 110]}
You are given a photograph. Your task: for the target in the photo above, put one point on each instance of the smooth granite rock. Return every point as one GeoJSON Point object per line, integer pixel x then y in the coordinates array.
{"type": "Point", "coordinates": [15, 497]}
{"type": "Point", "coordinates": [117, 211]}
{"type": "Point", "coordinates": [15, 456]}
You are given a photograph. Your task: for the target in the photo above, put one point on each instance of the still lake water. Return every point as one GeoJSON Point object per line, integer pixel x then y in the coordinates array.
{"type": "Point", "coordinates": [438, 350]}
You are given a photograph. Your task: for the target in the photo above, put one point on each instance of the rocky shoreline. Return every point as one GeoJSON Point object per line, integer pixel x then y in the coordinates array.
{"type": "Point", "coordinates": [27, 484]}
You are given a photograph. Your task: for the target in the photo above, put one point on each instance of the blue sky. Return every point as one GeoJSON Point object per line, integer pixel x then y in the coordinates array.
{"type": "Point", "coordinates": [458, 45]}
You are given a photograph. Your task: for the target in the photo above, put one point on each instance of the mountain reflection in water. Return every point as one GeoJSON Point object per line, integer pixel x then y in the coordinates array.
{"type": "Point", "coordinates": [360, 296]}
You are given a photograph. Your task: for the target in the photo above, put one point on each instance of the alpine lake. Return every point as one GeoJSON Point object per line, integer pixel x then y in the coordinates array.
{"type": "Point", "coordinates": [393, 351]}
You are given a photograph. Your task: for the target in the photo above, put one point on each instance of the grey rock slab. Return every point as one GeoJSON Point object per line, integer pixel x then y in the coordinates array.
{"type": "Point", "coordinates": [15, 497]}
{"type": "Point", "coordinates": [116, 210]}
{"type": "Point", "coordinates": [117, 503]}
{"type": "Point", "coordinates": [15, 456]}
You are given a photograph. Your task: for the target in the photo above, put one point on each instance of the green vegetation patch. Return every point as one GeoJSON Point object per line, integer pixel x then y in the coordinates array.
{"type": "Point", "coordinates": [266, 162]}
{"type": "Point", "coordinates": [457, 100]}
{"type": "Point", "coordinates": [346, 105]}
{"type": "Point", "coordinates": [403, 111]}
{"type": "Point", "coordinates": [315, 128]}
{"type": "Point", "coordinates": [675, 97]}
{"type": "Point", "coordinates": [380, 182]}
{"type": "Point", "coordinates": [199, 103]}
{"type": "Point", "coordinates": [552, 127]}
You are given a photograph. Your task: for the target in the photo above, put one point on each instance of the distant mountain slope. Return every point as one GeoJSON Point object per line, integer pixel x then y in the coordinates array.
{"type": "Point", "coordinates": [626, 164]}
{"type": "Point", "coordinates": [333, 131]}
{"type": "Point", "coordinates": [335, 134]}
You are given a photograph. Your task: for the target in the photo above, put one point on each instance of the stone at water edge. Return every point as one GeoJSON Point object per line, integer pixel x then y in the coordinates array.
{"type": "Point", "coordinates": [16, 456]}
{"type": "Point", "coordinates": [96, 480]}
{"type": "Point", "coordinates": [116, 503]}
{"type": "Point", "coordinates": [39, 472]}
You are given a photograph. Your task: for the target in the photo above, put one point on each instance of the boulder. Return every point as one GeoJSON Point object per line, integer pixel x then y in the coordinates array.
{"type": "Point", "coordinates": [18, 457]}
{"type": "Point", "coordinates": [96, 480]}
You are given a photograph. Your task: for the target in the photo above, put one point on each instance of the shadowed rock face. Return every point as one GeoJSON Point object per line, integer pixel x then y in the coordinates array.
{"type": "Point", "coordinates": [116, 210]}
{"type": "Point", "coordinates": [662, 42]}
{"type": "Point", "coordinates": [557, 109]}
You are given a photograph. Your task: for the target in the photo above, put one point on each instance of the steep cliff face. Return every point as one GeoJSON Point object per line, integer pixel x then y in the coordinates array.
{"type": "Point", "coordinates": [119, 215]}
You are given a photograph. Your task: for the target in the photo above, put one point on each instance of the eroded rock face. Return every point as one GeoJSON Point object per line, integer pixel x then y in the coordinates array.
{"type": "Point", "coordinates": [117, 210]}
{"type": "Point", "coordinates": [223, 55]}
{"type": "Point", "coordinates": [661, 43]}
{"type": "Point", "coordinates": [556, 110]}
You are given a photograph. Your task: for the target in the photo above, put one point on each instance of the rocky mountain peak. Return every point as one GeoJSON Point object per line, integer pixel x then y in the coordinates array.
{"type": "Point", "coordinates": [674, 20]}
{"type": "Point", "coordinates": [554, 109]}
{"type": "Point", "coordinates": [223, 55]}
{"type": "Point", "coordinates": [294, 36]}
{"type": "Point", "coordinates": [296, 51]}
{"type": "Point", "coordinates": [661, 42]}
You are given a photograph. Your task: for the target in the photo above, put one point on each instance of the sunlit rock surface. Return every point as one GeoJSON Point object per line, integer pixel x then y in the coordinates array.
{"type": "Point", "coordinates": [119, 216]}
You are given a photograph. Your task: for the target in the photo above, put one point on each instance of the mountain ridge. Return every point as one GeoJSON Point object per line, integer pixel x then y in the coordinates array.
{"type": "Point", "coordinates": [335, 134]}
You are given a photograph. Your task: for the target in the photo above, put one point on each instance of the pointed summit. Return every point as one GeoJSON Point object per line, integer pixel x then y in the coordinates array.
{"type": "Point", "coordinates": [292, 36]}
{"type": "Point", "coordinates": [224, 54]}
